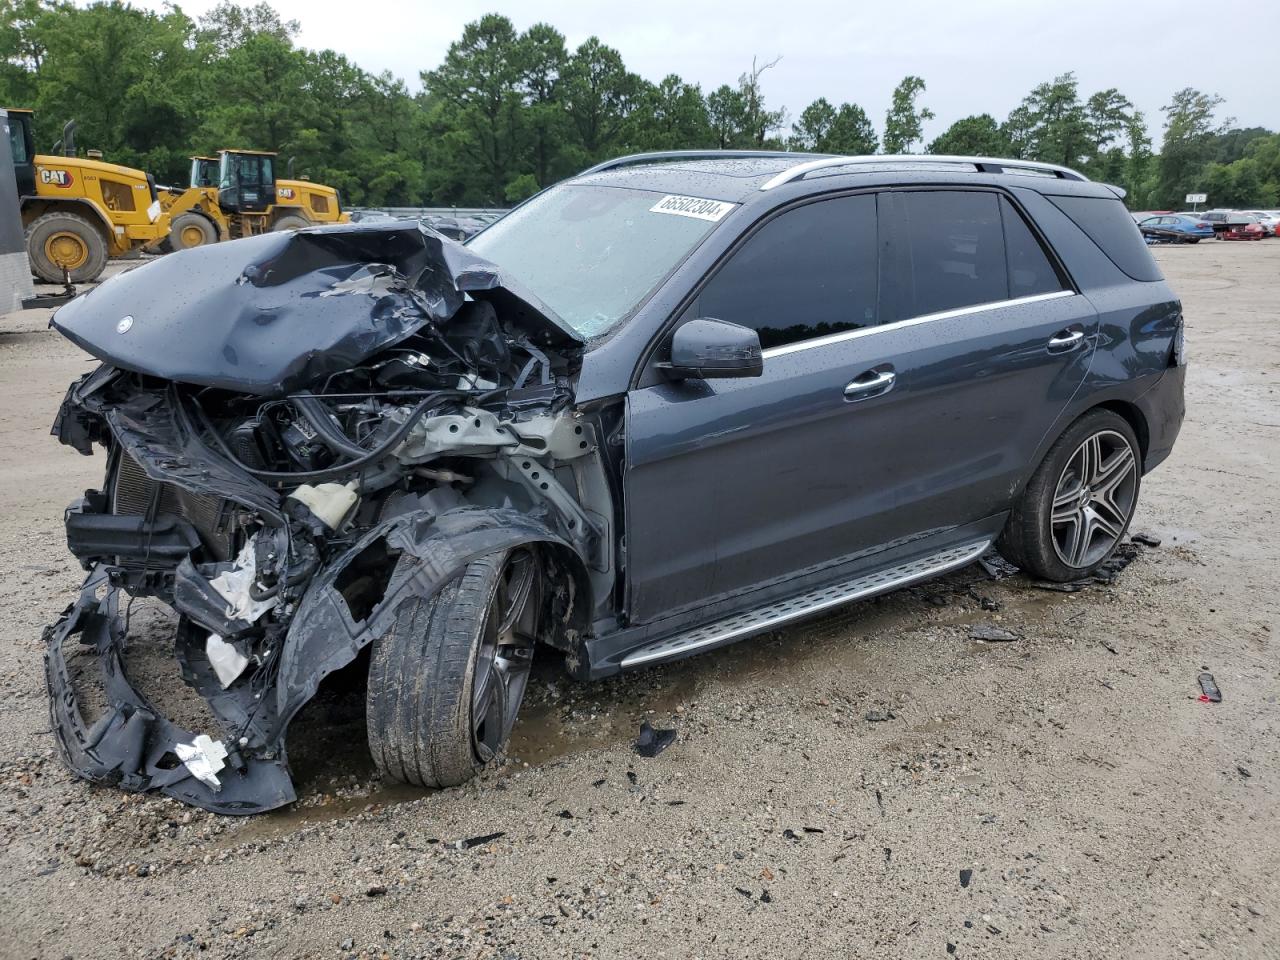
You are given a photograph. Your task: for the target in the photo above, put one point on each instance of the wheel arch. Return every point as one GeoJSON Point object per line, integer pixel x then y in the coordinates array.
{"type": "Point", "coordinates": [1132, 415]}
{"type": "Point", "coordinates": [428, 551]}
{"type": "Point", "coordinates": [33, 208]}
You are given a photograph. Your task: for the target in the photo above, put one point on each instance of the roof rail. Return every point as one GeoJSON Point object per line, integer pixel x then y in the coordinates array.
{"type": "Point", "coordinates": [800, 170]}
{"type": "Point", "coordinates": [659, 155]}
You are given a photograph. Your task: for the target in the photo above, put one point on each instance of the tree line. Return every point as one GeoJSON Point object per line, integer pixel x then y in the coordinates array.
{"type": "Point", "coordinates": [508, 112]}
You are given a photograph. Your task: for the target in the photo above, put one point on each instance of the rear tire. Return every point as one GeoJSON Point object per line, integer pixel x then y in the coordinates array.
{"type": "Point", "coordinates": [291, 222]}
{"type": "Point", "coordinates": [1077, 506]}
{"type": "Point", "coordinates": [66, 238]}
{"type": "Point", "coordinates": [446, 681]}
{"type": "Point", "coordinates": [191, 230]}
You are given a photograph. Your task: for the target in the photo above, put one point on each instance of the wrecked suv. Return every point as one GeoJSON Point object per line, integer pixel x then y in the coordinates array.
{"type": "Point", "coordinates": [675, 401]}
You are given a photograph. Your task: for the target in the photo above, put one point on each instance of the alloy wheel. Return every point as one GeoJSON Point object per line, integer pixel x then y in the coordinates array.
{"type": "Point", "coordinates": [505, 655]}
{"type": "Point", "coordinates": [1094, 499]}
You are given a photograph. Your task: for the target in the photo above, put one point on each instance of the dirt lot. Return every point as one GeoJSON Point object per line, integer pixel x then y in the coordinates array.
{"type": "Point", "coordinates": [830, 785]}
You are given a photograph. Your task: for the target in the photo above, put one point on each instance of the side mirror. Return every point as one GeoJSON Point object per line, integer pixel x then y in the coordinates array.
{"type": "Point", "coordinates": [705, 348]}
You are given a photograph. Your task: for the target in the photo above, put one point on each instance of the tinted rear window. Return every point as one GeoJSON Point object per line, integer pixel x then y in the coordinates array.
{"type": "Point", "coordinates": [1030, 272]}
{"type": "Point", "coordinates": [955, 242]}
{"type": "Point", "coordinates": [1109, 225]}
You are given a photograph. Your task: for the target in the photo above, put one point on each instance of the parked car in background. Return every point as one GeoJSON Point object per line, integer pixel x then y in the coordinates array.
{"type": "Point", "coordinates": [1241, 227]}
{"type": "Point", "coordinates": [1140, 215]}
{"type": "Point", "coordinates": [1270, 220]}
{"type": "Point", "coordinates": [1176, 228]}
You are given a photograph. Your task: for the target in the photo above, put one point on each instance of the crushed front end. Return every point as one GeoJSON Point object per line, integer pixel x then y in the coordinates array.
{"type": "Point", "coordinates": [300, 431]}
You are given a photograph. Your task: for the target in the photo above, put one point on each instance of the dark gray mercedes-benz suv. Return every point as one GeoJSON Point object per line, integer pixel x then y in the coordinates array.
{"type": "Point", "coordinates": [672, 402]}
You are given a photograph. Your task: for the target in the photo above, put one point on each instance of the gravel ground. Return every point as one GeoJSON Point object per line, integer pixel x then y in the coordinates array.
{"type": "Point", "coordinates": [873, 783]}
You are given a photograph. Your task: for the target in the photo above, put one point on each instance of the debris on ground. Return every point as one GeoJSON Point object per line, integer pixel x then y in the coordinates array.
{"type": "Point", "coordinates": [1211, 692]}
{"type": "Point", "coordinates": [652, 742]}
{"type": "Point", "coordinates": [880, 716]}
{"type": "Point", "coordinates": [479, 841]}
{"type": "Point", "coordinates": [992, 634]}
{"type": "Point", "coordinates": [996, 566]}
{"type": "Point", "coordinates": [1146, 539]}
{"type": "Point", "coordinates": [966, 875]}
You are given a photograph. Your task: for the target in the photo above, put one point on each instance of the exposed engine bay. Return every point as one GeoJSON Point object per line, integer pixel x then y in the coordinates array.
{"type": "Point", "coordinates": [301, 430]}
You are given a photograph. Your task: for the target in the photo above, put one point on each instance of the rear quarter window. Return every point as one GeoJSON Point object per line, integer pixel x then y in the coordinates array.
{"type": "Point", "coordinates": [1108, 224]}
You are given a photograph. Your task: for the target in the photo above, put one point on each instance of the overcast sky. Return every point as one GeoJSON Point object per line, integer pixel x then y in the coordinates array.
{"type": "Point", "coordinates": [979, 56]}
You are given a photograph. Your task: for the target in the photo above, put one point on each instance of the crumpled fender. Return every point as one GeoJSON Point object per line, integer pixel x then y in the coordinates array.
{"type": "Point", "coordinates": [433, 548]}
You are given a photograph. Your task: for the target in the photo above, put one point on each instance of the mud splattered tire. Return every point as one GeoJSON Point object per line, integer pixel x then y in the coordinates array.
{"type": "Point", "coordinates": [1077, 506]}
{"type": "Point", "coordinates": [446, 681]}
{"type": "Point", "coordinates": [191, 230]}
{"type": "Point", "coordinates": [58, 239]}
{"type": "Point", "coordinates": [291, 223]}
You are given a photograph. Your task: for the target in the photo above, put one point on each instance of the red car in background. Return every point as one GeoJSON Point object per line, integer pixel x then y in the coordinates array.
{"type": "Point", "coordinates": [1243, 228]}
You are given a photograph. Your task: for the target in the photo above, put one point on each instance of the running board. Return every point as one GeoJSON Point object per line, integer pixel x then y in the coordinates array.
{"type": "Point", "coordinates": [779, 612]}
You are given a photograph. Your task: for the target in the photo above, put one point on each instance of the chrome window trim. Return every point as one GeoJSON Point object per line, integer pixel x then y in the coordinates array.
{"type": "Point", "coordinates": [910, 322]}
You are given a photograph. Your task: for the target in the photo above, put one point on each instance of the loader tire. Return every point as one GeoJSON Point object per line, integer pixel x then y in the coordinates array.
{"type": "Point", "coordinates": [191, 230]}
{"type": "Point", "coordinates": [290, 223]}
{"type": "Point", "coordinates": [62, 239]}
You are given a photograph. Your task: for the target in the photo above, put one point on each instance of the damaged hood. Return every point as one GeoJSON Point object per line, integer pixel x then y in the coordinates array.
{"type": "Point", "coordinates": [271, 314]}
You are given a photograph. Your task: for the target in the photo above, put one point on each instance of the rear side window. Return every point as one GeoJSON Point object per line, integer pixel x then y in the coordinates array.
{"type": "Point", "coordinates": [810, 272]}
{"type": "Point", "coordinates": [1030, 271]}
{"type": "Point", "coordinates": [954, 242]}
{"type": "Point", "coordinates": [1109, 225]}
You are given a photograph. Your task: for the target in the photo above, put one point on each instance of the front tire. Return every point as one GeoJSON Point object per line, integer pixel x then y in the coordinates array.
{"type": "Point", "coordinates": [446, 681]}
{"type": "Point", "coordinates": [290, 222]}
{"type": "Point", "coordinates": [191, 230]}
{"type": "Point", "coordinates": [1078, 504]}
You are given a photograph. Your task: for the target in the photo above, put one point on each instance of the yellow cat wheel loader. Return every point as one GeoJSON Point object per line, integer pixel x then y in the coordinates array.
{"type": "Point", "coordinates": [77, 212]}
{"type": "Point", "coordinates": [237, 194]}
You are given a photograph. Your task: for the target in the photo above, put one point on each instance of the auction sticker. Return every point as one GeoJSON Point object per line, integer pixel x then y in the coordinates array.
{"type": "Point", "coordinates": [695, 207]}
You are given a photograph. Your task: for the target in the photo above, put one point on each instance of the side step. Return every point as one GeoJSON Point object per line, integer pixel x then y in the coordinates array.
{"type": "Point", "coordinates": [775, 614]}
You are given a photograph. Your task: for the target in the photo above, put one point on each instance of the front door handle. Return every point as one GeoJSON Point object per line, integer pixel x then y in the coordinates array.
{"type": "Point", "coordinates": [1065, 340]}
{"type": "Point", "coordinates": [870, 384]}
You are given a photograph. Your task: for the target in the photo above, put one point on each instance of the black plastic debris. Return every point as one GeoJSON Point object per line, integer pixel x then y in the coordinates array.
{"type": "Point", "coordinates": [631, 775]}
{"type": "Point", "coordinates": [599, 783]}
{"type": "Point", "coordinates": [746, 893]}
{"type": "Point", "coordinates": [1074, 586]}
{"type": "Point", "coordinates": [880, 716]}
{"type": "Point", "coordinates": [376, 891]}
{"type": "Point", "coordinates": [1209, 687]}
{"type": "Point", "coordinates": [565, 815]}
{"type": "Point", "coordinates": [1243, 771]}
{"type": "Point", "coordinates": [789, 834]}
{"type": "Point", "coordinates": [966, 875]}
{"type": "Point", "coordinates": [480, 841]}
{"type": "Point", "coordinates": [765, 897]}
{"type": "Point", "coordinates": [1146, 539]}
{"type": "Point", "coordinates": [652, 742]}
{"type": "Point", "coordinates": [992, 634]}
{"type": "Point", "coordinates": [813, 830]}
{"type": "Point", "coordinates": [951, 947]}
{"type": "Point", "coordinates": [996, 566]}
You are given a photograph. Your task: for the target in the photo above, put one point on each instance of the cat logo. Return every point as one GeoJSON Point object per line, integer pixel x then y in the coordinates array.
{"type": "Point", "coordinates": [285, 193]}
{"type": "Point", "coordinates": [56, 178]}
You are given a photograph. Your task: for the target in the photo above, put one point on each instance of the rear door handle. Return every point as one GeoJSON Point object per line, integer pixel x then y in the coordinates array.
{"type": "Point", "coordinates": [870, 384]}
{"type": "Point", "coordinates": [1065, 340]}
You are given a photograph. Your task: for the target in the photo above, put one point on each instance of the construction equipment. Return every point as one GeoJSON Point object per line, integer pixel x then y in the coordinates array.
{"type": "Point", "coordinates": [237, 194]}
{"type": "Point", "coordinates": [77, 212]}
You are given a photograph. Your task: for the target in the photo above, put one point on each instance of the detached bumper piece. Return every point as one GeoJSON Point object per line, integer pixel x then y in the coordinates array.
{"type": "Point", "coordinates": [132, 746]}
